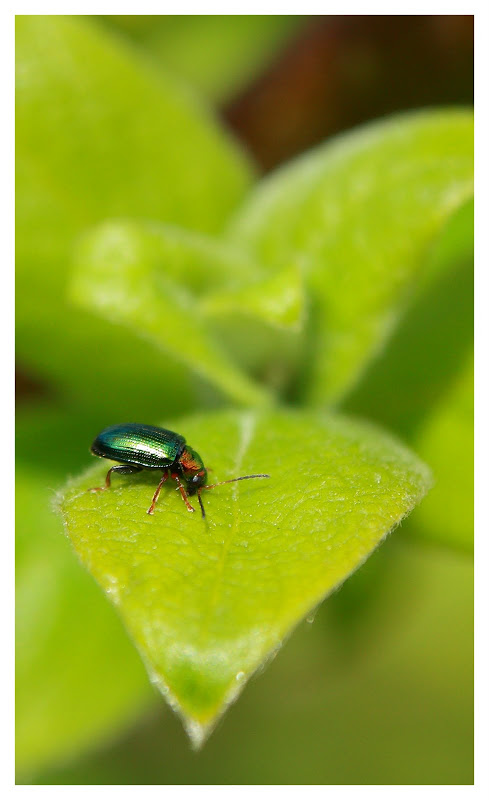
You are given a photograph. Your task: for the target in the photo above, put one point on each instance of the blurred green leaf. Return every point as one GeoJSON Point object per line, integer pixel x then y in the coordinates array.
{"type": "Point", "coordinates": [158, 281]}
{"type": "Point", "coordinates": [446, 441]}
{"type": "Point", "coordinates": [71, 692]}
{"type": "Point", "coordinates": [421, 385]}
{"type": "Point", "coordinates": [401, 697]}
{"type": "Point", "coordinates": [262, 324]}
{"type": "Point", "coordinates": [100, 132]}
{"type": "Point", "coordinates": [217, 53]}
{"type": "Point", "coordinates": [432, 341]}
{"type": "Point", "coordinates": [278, 301]}
{"type": "Point", "coordinates": [357, 216]}
{"type": "Point", "coordinates": [208, 601]}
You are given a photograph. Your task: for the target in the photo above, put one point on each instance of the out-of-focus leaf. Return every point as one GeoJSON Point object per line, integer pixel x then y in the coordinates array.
{"type": "Point", "coordinates": [278, 301]}
{"type": "Point", "coordinates": [126, 272]}
{"type": "Point", "coordinates": [78, 678]}
{"type": "Point", "coordinates": [208, 600]}
{"type": "Point", "coordinates": [217, 53]}
{"type": "Point", "coordinates": [101, 132]}
{"type": "Point", "coordinates": [262, 324]}
{"type": "Point", "coordinates": [358, 215]}
{"type": "Point", "coordinates": [390, 691]}
{"type": "Point", "coordinates": [421, 386]}
{"type": "Point", "coordinates": [446, 441]}
{"type": "Point", "coordinates": [430, 346]}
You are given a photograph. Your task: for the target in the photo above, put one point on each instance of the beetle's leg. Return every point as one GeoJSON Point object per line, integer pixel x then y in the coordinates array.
{"type": "Point", "coordinates": [201, 503]}
{"type": "Point", "coordinates": [181, 488]}
{"type": "Point", "coordinates": [157, 493]}
{"type": "Point", "coordinates": [124, 469]}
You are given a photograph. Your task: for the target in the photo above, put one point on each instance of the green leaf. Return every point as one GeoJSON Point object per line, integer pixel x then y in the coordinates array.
{"type": "Point", "coordinates": [388, 685]}
{"type": "Point", "coordinates": [278, 301]}
{"type": "Point", "coordinates": [262, 325]}
{"type": "Point", "coordinates": [446, 441]}
{"type": "Point", "coordinates": [217, 53]}
{"type": "Point", "coordinates": [357, 216]}
{"type": "Point", "coordinates": [101, 132]}
{"type": "Point", "coordinates": [433, 339]}
{"type": "Point", "coordinates": [128, 274]}
{"type": "Point", "coordinates": [208, 600]}
{"type": "Point", "coordinates": [421, 385]}
{"type": "Point", "coordinates": [69, 642]}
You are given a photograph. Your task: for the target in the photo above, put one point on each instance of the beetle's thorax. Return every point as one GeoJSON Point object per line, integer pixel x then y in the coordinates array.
{"type": "Point", "coordinates": [192, 469]}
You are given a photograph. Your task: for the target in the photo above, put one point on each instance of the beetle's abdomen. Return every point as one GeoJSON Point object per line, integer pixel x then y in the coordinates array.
{"type": "Point", "coordinates": [144, 445]}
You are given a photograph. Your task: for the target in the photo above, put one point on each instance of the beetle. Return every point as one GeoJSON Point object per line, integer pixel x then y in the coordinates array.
{"type": "Point", "coordinates": [138, 447]}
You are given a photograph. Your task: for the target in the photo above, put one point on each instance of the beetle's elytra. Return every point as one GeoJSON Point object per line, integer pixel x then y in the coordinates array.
{"type": "Point", "coordinates": [137, 447]}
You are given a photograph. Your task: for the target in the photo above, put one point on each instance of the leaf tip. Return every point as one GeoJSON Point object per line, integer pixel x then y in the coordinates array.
{"type": "Point", "coordinates": [197, 732]}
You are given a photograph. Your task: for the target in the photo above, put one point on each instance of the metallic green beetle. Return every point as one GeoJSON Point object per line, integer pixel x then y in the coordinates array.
{"type": "Point", "coordinates": [139, 447]}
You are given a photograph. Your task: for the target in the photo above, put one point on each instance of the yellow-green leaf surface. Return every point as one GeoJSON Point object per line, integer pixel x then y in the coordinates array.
{"type": "Point", "coordinates": [358, 215]}
{"type": "Point", "coordinates": [102, 132]}
{"type": "Point", "coordinates": [421, 385]}
{"type": "Point", "coordinates": [279, 301]}
{"type": "Point", "coordinates": [262, 324]}
{"type": "Point", "coordinates": [432, 342]}
{"type": "Point", "coordinates": [380, 664]}
{"type": "Point", "coordinates": [193, 298]}
{"type": "Point", "coordinates": [69, 642]}
{"type": "Point", "coordinates": [207, 601]}
{"type": "Point", "coordinates": [137, 276]}
{"type": "Point", "coordinates": [446, 441]}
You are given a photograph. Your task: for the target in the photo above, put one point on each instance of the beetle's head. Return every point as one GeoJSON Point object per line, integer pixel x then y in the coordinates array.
{"type": "Point", "coordinates": [192, 469]}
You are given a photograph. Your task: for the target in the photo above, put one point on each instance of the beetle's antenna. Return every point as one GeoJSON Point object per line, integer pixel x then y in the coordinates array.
{"type": "Point", "coordinates": [232, 480]}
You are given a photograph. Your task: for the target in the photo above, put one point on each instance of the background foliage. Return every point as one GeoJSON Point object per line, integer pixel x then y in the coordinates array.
{"type": "Point", "coordinates": [157, 276]}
